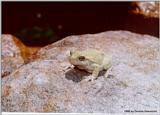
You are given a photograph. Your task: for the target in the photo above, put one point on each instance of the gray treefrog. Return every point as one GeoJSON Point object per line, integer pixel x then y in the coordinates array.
{"type": "Point", "coordinates": [92, 61]}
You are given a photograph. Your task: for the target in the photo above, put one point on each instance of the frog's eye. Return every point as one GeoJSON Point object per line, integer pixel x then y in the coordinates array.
{"type": "Point", "coordinates": [71, 52]}
{"type": "Point", "coordinates": [81, 58]}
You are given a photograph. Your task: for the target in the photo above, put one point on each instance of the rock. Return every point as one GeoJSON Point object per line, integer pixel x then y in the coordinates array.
{"type": "Point", "coordinates": [148, 9]}
{"type": "Point", "coordinates": [11, 54]}
{"type": "Point", "coordinates": [14, 53]}
{"type": "Point", "coordinates": [51, 84]}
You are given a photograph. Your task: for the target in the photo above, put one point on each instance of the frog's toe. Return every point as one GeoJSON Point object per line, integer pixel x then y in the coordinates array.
{"type": "Point", "coordinates": [90, 78]}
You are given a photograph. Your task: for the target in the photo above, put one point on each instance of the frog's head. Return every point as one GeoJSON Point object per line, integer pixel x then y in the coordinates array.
{"type": "Point", "coordinates": [77, 58]}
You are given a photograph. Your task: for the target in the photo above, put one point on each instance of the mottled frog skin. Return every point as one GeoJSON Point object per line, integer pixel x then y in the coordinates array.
{"type": "Point", "coordinates": [92, 61]}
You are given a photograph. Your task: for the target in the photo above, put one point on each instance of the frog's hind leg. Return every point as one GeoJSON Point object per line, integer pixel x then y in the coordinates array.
{"type": "Point", "coordinates": [108, 71]}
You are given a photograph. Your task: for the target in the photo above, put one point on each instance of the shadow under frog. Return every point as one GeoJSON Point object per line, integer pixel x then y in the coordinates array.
{"type": "Point", "coordinates": [76, 75]}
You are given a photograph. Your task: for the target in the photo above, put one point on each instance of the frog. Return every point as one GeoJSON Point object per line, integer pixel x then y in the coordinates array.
{"type": "Point", "coordinates": [91, 61]}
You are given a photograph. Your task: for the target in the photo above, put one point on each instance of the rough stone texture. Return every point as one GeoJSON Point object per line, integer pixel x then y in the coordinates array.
{"type": "Point", "coordinates": [51, 84]}
{"type": "Point", "coordinates": [11, 54]}
{"type": "Point", "coordinates": [14, 53]}
{"type": "Point", "coordinates": [148, 9]}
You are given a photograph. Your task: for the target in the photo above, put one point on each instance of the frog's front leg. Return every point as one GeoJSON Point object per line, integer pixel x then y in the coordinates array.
{"type": "Point", "coordinates": [95, 73]}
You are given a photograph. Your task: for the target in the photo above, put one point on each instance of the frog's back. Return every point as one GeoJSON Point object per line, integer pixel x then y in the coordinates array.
{"type": "Point", "coordinates": [94, 55]}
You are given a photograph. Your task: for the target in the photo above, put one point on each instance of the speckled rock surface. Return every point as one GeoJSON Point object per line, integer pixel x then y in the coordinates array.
{"type": "Point", "coordinates": [11, 54]}
{"type": "Point", "coordinates": [149, 9]}
{"type": "Point", "coordinates": [51, 84]}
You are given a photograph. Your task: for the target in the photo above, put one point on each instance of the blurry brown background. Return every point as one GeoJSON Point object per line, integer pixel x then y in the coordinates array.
{"type": "Point", "coordinates": [42, 23]}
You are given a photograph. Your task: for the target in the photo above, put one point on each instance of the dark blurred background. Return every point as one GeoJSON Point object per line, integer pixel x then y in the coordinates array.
{"type": "Point", "coordinates": [42, 23]}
